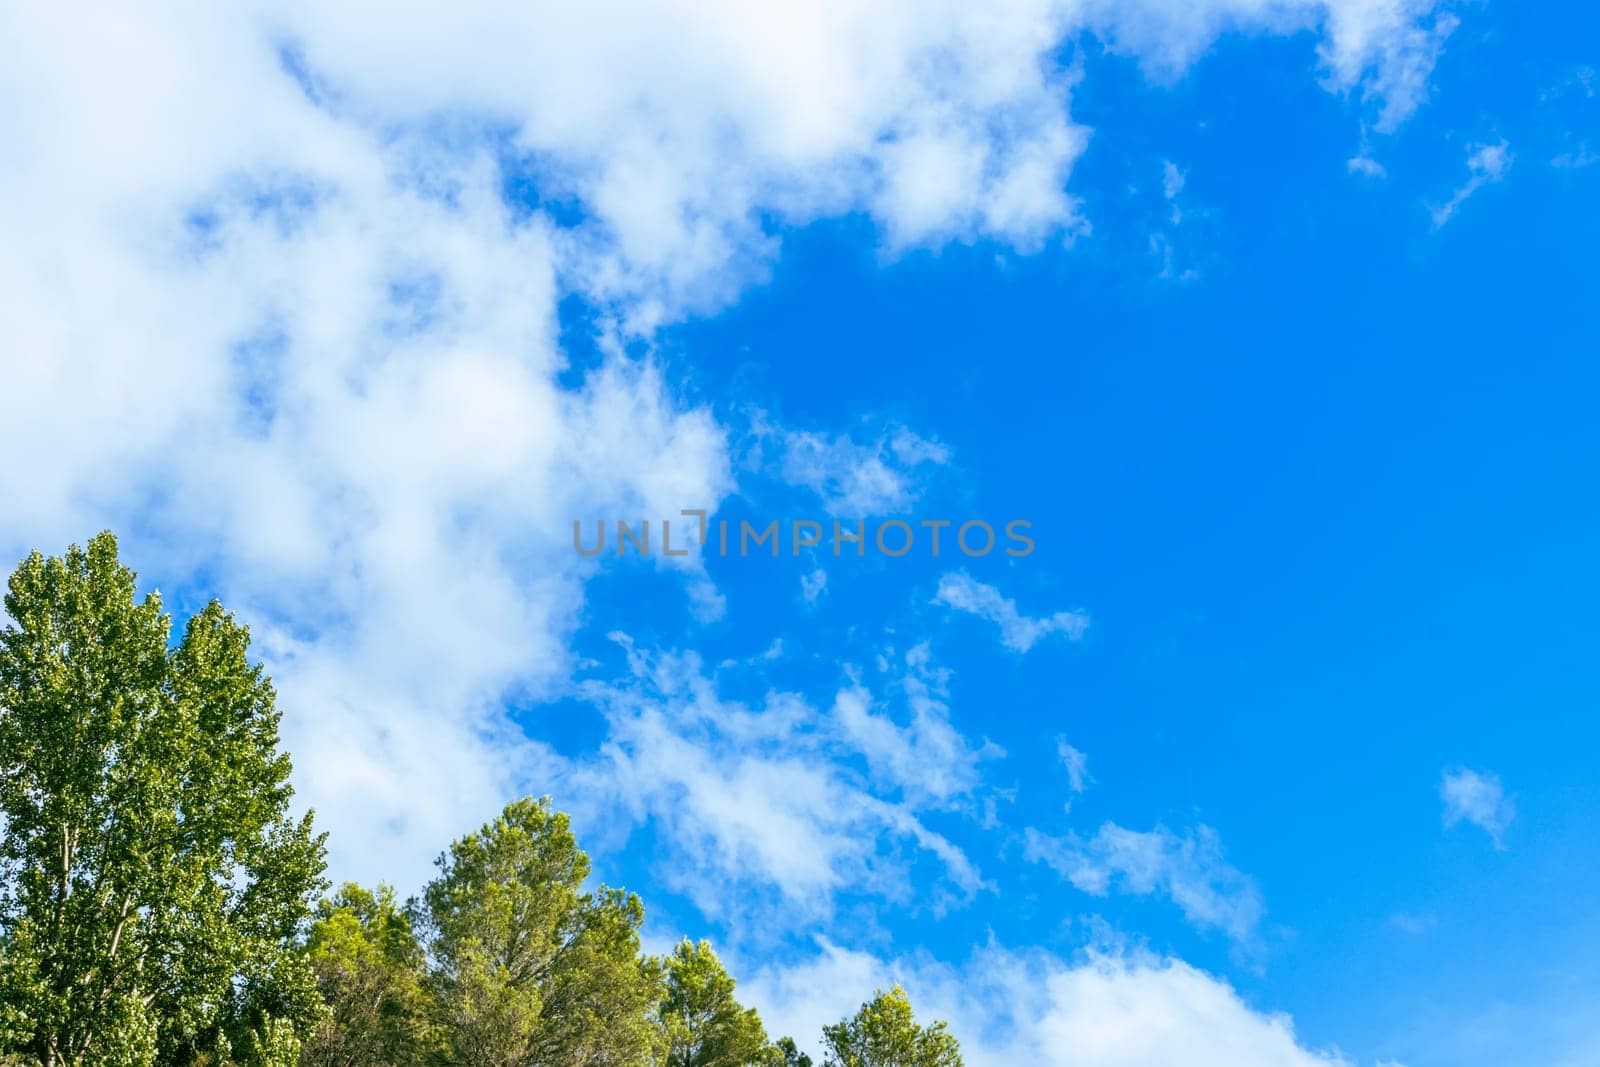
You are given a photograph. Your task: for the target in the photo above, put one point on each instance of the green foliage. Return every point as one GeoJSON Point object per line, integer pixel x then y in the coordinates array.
{"type": "Point", "coordinates": [883, 1033]}
{"type": "Point", "coordinates": [701, 1024]}
{"type": "Point", "coordinates": [787, 1054]}
{"type": "Point", "coordinates": [370, 971]}
{"type": "Point", "coordinates": [271, 1043]}
{"type": "Point", "coordinates": [530, 969]}
{"type": "Point", "coordinates": [155, 894]}
{"type": "Point", "coordinates": [152, 882]}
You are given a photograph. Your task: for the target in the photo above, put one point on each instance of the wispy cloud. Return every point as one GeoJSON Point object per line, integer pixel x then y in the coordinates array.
{"type": "Point", "coordinates": [813, 585]}
{"type": "Point", "coordinates": [1075, 763]}
{"type": "Point", "coordinates": [1477, 798]}
{"type": "Point", "coordinates": [1486, 164]}
{"type": "Point", "coordinates": [1413, 924]}
{"type": "Point", "coordinates": [1188, 868]}
{"type": "Point", "coordinates": [1169, 244]}
{"type": "Point", "coordinates": [770, 798]}
{"type": "Point", "coordinates": [853, 479]}
{"type": "Point", "coordinates": [1172, 180]}
{"type": "Point", "coordinates": [1362, 163]}
{"type": "Point", "coordinates": [1576, 159]}
{"type": "Point", "coordinates": [925, 757]}
{"type": "Point", "coordinates": [1018, 632]}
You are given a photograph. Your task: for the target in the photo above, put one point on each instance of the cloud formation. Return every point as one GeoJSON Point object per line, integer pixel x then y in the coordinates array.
{"type": "Point", "coordinates": [1018, 632]}
{"type": "Point", "coordinates": [785, 803]}
{"type": "Point", "coordinates": [813, 585]}
{"type": "Point", "coordinates": [1112, 1007]}
{"type": "Point", "coordinates": [1477, 798]}
{"type": "Point", "coordinates": [856, 480]}
{"type": "Point", "coordinates": [1189, 869]}
{"type": "Point", "coordinates": [1076, 765]}
{"type": "Point", "coordinates": [1486, 164]}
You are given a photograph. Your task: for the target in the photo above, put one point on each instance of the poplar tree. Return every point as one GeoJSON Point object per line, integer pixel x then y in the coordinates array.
{"type": "Point", "coordinates": [153, 882]}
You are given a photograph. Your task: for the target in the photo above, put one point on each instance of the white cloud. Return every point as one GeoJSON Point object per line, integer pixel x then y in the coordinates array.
{"type": "Point", "coordinates": [1189, 869]}
{"type": "Point", "coordinates": [927, 757]}
{"type": "Point", "coordinates": [263, 347]}
{"type": "Point", "coordinates": [1486, 164]}
{"type": "Point", "coordinates": [1018, 632]}
{"type": "Point", "coordinates": [1363, 164]}
{"type": "Point", "coordinates": [767, 805]}
{"type": "Point", "coordinates": [679, 125]}
{"type": "Point", "coordinates": [855, 480]}
{"type": "Point", "coordinates": [1076, 764]}
{"type": "Point", "coordinates": [1172, 180]}
{"type": "Point", "coordinates": [1110, 1008]}
{"type": "Point", "coordinates": [1383, 49]}
{"type": "Point", "coordinates": [1477, 798]}
{"type": "Point", "coordinates": [813, 585]}
{"type": "Point", "coordinates": [1577, 159]}
{"type": "Point", "coordinates": [1173, 243]}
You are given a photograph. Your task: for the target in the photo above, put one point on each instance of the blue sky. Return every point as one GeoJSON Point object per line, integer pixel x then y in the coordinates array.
{"type": "Point", "coordinates": [1326, 502]}
{"type": "Point", "coordinates": [1276, 325]}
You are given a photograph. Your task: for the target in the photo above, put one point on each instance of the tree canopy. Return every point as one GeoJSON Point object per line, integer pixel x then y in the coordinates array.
{"type": "Point", "coordinates": [531, 968]}
{"type": "Point", "coordinates": [152, 878]}
{"type": "Point", "coordinates": [702, 1025]}
{"type": "Point", "coordinates": [371, 972]}
{"type": "Point", "coordinates": [884, 1033]}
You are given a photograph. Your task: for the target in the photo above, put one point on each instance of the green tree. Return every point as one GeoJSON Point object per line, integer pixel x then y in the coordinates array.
{"type": "Point", "coordinates": [701, 1024]}
{"type": "Point", "coordinates": [787, 1054]}
{"type": "Point", "coordinates": [370, 971]}
{"type": "Point", "coordinates": [152, 881]}
{"type": "Point", "coordinates": [883, 1033]}
{"type": "Point", "coordinates": [271, 1043]}
{"type": "Point", "coordinates": [530, 969]}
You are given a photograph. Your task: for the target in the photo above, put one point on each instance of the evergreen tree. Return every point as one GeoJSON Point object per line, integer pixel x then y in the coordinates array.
{"type": "Point", "coordinates": [787, 1054]}
{"type": "Point", "coordinates": [884, 1033]}
{"type": "Point", "coordinates": [370, 971]}
{"type": "Point", "coordinates": [530, 969]}
{"type": "Point", "coordinates": [701, 1023]}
